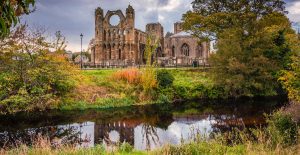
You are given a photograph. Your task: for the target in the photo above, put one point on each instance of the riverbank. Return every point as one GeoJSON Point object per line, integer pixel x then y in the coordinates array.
{"type": "Point", "coordinates": [109, 88]}
{"type": "Point", "coordinates": [113, 88]}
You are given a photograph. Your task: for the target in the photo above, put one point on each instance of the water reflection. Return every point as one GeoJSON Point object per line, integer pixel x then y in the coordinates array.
{"type": "Point", "coordinates": [145, 128]}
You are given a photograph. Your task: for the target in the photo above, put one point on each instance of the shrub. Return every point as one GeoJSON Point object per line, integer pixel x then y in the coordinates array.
{"type": "Point", "coordinates": [215, 92]}
{"type": "Point", "coordinates": [164, 78]}
{"type": "Point", "coordinates": [181, 92]}
{"type": "Point", "coordinates": [282, 129]}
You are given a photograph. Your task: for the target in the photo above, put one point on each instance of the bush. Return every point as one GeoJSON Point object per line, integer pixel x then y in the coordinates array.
{"type": "Point", "coordinates": [282, 129]}
{"type": "Point", "coordinates": [181, 92]}
{"type": "Point", "coordinates": [164, 78]}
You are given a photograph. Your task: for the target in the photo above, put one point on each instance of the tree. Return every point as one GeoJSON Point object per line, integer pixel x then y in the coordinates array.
{"type": "Point", "coordinates": [32, 77]}
{"type": "Point", "coordinates": [59, 44]}
{"type": "Point", "coordinates": [210, 18]}
{"type": "Point", "coordinates": [252, 45]}
{"type": "Point", "coordinates": [10, 10]}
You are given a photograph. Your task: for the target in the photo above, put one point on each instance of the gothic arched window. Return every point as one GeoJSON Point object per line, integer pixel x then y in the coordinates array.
{"type": "Point", "coordinates": [109, 53]}
{"type": "Point", "coordinates": [185, 50]}
{"type": "Point", "coordinates": [120, 54]}
{"type": "Point", "coordinates": [200, 50]}
{"type": "Point", "coordinates": [104, 35]}
{"type": "Point", "coordinates": [173, 51]}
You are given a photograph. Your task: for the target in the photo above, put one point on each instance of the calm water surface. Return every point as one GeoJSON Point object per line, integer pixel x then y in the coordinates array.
{"type": "Point", "coordinates": [144, 127]}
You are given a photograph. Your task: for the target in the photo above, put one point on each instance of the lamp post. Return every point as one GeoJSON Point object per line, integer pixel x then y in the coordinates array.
{"type": "Point", "coordinates": [81, 36]}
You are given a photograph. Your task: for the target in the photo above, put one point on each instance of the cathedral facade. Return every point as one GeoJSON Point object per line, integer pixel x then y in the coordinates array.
{"type": "Point", "coordinates": [118, 42]}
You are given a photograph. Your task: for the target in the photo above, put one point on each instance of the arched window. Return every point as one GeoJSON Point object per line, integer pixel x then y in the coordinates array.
{"type": "Point", "coordinates": [173, 51]}
{"type": "Point", "coordinates": [185, 50]}
{"type": "Point", "coordinates": [104, 35]}
{"type": "Point", "coordinates": [201, 51]}
{"type": "Point", "coordinates": [109, 35]}
{"type": "Point", "coordinates": [120, 54]}
{"type": "Point", "coordinates": [159, 52]}
{"type": "Point", "coordinates": [109, 52]}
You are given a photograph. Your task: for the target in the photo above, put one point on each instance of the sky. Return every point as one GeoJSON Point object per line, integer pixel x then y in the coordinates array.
{"type": "Point", "coordinates": [73, 17]}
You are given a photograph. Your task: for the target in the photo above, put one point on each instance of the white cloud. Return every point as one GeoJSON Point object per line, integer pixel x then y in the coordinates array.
{"type": "Point", "coordinates": [172, 4]}
{"type": "Point", "coordinates": [294, 11]}
{"type": "Point", "coordinates": [161, 18]}
{"type": "Point", "coordinates": [295, 8]}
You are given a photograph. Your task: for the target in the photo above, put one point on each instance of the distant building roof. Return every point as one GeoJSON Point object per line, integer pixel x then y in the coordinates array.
{"type": "Point", "coordinates": [181, 34]}
{"type": "Point", "coordinates": [169, 34]}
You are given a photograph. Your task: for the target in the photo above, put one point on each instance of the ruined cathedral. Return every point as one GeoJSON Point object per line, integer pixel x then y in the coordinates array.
{"type": "Point", "coordinates": [118, 42]}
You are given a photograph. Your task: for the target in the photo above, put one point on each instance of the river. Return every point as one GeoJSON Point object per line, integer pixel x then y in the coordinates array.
{"type": "Point", "coordinates": [144, 127]}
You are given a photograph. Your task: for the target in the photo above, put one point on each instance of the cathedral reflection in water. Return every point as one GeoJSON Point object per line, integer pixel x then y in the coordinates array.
{"type": "Point", "coordinates": [144, 136]}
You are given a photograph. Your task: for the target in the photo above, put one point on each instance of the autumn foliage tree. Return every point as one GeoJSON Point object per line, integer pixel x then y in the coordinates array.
{"type": "Point", "coordinates": [253, 42]}
{"type": "Point", "coordinates": [32, 77]}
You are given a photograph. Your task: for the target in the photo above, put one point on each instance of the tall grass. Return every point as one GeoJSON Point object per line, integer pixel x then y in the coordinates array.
{"type": "Point", "coordinates": [43, 146]}
{"type": "Point", "coordinates": [131, 76]}
{"type": "Point", "coordinates": [244, 144]}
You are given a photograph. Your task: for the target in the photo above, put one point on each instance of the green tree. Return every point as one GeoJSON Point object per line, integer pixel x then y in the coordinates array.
{"type": "Point", "coordinates": [251, 41]}
{"type": "Point", "coordinates": [10, 10]}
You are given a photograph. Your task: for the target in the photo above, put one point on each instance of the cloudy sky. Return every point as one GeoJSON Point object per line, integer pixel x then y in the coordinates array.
{"type": "Point", "coordinates": [73, 17]}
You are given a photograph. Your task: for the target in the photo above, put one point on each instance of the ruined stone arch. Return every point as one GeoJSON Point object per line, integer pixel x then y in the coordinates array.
{"type": "Point", "coordinates": [118, 13]}
{"type": "Point", "coordinates": [185, 49]}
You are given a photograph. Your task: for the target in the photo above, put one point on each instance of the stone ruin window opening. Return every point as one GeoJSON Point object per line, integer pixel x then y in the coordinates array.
{"type": "Point", "coordinates": [185, 49]}
{"type": "Point", "coordinates": [114, 20]}
{"type": "Point", "coordinates": [104, 35]}
{"type": "Point", "coordinates": [200, 51]}
{"type": "Point", "coordinates": [173, 51]}
{"type": "Point", "coordinates": [109, 52]}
